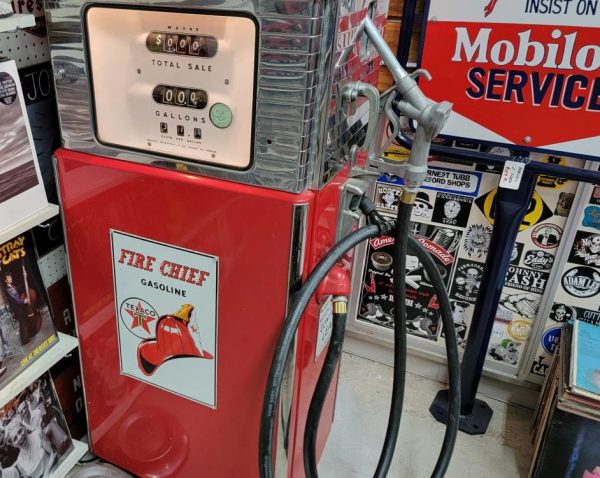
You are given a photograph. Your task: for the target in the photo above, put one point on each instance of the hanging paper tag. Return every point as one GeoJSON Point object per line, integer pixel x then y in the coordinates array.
{"type": "Point", "coordinates": [325, 325]}
{"type": "Point", "coordinates": [512, 174]}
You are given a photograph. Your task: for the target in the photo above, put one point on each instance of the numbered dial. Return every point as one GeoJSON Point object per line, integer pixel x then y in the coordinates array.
{"type": "Point", "coordinates": [221, 115]}
{"type": "Point", "coordinates": [178, 96]}
{"type": "Point", "coordinates": [202, 46]}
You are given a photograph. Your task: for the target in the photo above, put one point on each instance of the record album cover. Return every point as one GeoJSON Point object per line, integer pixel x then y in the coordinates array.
{"type": "Point", "coordinates": [34, 437]}
{"type": "Point", "coordinates": [21, 187]}
{"type": "Point", "coordinates": [26, 328]}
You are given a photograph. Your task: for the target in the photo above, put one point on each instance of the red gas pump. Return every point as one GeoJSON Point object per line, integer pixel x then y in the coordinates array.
{"type": "Point", "coordinates": [205, 184]}
{"type": "Point", "coordinates": [202, 175]}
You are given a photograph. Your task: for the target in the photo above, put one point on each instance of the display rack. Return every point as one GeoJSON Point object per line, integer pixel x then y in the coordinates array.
{"type": "Point", "coordinates": [76, 454]}
{"type": "Point", "coordinates": [29, 222]}
{"type": "Point", "coordinates": [64, 345]}
{"type": "Point", "coordinates": [17, 21]}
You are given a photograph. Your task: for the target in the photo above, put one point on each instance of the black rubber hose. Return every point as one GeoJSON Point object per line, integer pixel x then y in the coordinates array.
{"type": "Point", "coordinates": [286, 339]}
{"type": "Point", "coordinates": [400, 253]}
{"type": "Point", "coordinates": [291, 324]}
{"type": "Point", "coordinates": [451, 352]}
{"type": "Point", "coordinates": [332, 357]}
{"type": "Point", "coordinates": [334, 353]}
{"type": "Point", "coordinates": [320, 394]}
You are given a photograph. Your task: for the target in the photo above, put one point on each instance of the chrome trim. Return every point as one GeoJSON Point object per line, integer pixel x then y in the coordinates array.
{"type": "Point", "coordinates": [72, 290]}
{"type": "Point", "coordinates": [351, 190]}
{"type": "Point", "coordinates": [296, 269]}
{"type": "Point", "coordinates": [358, 267]}
{"type": "Point", "coordinates": [299, 46]}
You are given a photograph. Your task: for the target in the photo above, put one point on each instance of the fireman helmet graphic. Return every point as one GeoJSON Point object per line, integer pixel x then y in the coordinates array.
{"type": "Point", "coordinates": [173, 340]}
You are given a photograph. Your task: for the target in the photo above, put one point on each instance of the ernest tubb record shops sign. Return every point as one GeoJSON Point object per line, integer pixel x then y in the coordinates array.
{"type": "Point", "coordinates": [519, 72]}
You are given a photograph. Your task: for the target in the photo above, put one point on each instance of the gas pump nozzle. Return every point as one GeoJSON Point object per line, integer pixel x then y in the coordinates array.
{"type": "Point", "coordinates": [430, 116]}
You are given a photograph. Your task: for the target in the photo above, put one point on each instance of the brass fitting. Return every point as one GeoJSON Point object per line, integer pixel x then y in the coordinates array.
{"type": "Point", "coordinates": [340, 305]}
{"type": "Point", "coordinates": [408, 196]}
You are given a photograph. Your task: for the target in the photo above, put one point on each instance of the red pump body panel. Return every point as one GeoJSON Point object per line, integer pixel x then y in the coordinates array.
{"type": "Point", "coordinates": [152, 432]}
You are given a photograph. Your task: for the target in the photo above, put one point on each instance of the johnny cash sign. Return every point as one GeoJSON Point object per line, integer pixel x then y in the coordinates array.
{"type": "Point", "coordinates": [166, 307]}
{"type": "Point", "coordinates": [511, 68]}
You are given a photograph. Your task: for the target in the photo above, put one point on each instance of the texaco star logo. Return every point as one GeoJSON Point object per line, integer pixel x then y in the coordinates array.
{"type": "Point", "coordinates": [140, 317]}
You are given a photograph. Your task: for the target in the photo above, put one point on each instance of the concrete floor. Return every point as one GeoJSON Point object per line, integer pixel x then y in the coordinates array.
{"type": "Point", "coordinates": [361, 417]}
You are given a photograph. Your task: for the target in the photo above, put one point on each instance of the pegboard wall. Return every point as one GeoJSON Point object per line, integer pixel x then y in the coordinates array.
{"type": "Point", "coordinates": [53, 266]}
{"type": "Point", "coordinates": [28, 46]}
{"type": "Point", "coordinates": [25, 48]}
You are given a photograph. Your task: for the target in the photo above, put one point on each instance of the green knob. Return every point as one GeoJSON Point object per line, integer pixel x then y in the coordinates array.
{"type": "Point", "coordinates": [221, 115]}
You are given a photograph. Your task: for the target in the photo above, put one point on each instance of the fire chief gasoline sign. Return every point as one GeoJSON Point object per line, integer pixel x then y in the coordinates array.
{"type": "Point", "coordinates": [519, 72]}
{"type": "Point", "coordinates": [166, 310]}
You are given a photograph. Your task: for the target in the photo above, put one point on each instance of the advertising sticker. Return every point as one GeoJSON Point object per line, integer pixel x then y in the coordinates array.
{"type": "Point", "coordinates": [586, 249]}
{"type": "Point", "coordinates": [562, 312]}
{"type": "Point", "coordinates": [525, 279]}
{"type": "Point", "coordinates": [166, 307]}
{"type": "Point", "coordinates": [503, 349]}
{"type": "Point", "coordinates": [467, 279]}
{"type": "Point", "coordinates": [587, 315]}
{"type": "Point", "coordinates": [423, 208]}
{"type": "Point", "coordinates": [511, 68]}
{"type": "Point", "coordinates": [551, 339]}
{"type": "Point", "coordinates": [538, 210]}
{"type": "Point", "coordinates": [582, 282]}
{"type": "Point", "coordinates": [377, 300]}
{"type": "Point", "coordinates": [524, 304]}
{"type": "Point", "coordinates": [564, 204]}
{"type": "Point", "coordinates": [386, 197]}
{"type": "Point", "coordinates": [546, 236]}
{"type": "Point", "coordinates": [455, 181]}
{"type": "Point", "coordinates": [515, 256]}
{"type": "Point", "coordinates": [595, 198]}
{"type": "Point", "coordinates": [461, 321]}
{"type": "Point", "coordinates": [452, 209]}
{"type": "Point", "coordinates": [591, 217]}
{"type": "Point", "coordinates": [539, 260]}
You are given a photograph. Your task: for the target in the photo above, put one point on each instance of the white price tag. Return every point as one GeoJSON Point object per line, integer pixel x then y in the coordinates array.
{"type": "Point", "coordinates": [511, 175]}
{"type": "Point", "coordinates": [325, 326]}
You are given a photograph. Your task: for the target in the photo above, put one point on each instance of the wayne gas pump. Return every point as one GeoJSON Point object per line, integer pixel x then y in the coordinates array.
{"type": "Point", "coordinates": [208, 169]}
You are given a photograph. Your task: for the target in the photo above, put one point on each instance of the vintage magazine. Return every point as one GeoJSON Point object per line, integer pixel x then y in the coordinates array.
{"type": "Point", "coordinates": [21, 188]}
{"type": "Point", "coordinates": [26, 328]}
{"type": "Point", "coordinates": [33, 433]}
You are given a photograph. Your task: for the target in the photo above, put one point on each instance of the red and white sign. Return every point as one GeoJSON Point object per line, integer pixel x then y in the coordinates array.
{"type": "Point", "coordinates": [521, 72]}
{"type": "Point", "coordinates": [166, 310]}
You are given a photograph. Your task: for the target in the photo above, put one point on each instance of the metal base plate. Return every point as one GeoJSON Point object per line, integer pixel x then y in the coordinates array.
{"type": "Point", "coordinates": [474, 424]}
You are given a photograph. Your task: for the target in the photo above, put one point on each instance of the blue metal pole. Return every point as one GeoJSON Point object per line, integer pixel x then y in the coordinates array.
{"type": "Point", "coordinates": [534, 167]}
{"type": "Point", "coordinates": [511, 207]}
{"type": "Point", "coordinates": [406, 29]}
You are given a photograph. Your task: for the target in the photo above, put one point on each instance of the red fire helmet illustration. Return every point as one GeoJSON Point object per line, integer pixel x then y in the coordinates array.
{"type": "Point", "coordinates": [173, 340]}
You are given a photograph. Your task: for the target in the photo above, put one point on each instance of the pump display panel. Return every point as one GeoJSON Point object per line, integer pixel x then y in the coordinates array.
{"type": "Point", "coordinates": [173, 83]}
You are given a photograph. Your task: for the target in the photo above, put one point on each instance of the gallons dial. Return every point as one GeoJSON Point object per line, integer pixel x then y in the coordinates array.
{"type": "Point", "coordinates": [178, 96]}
